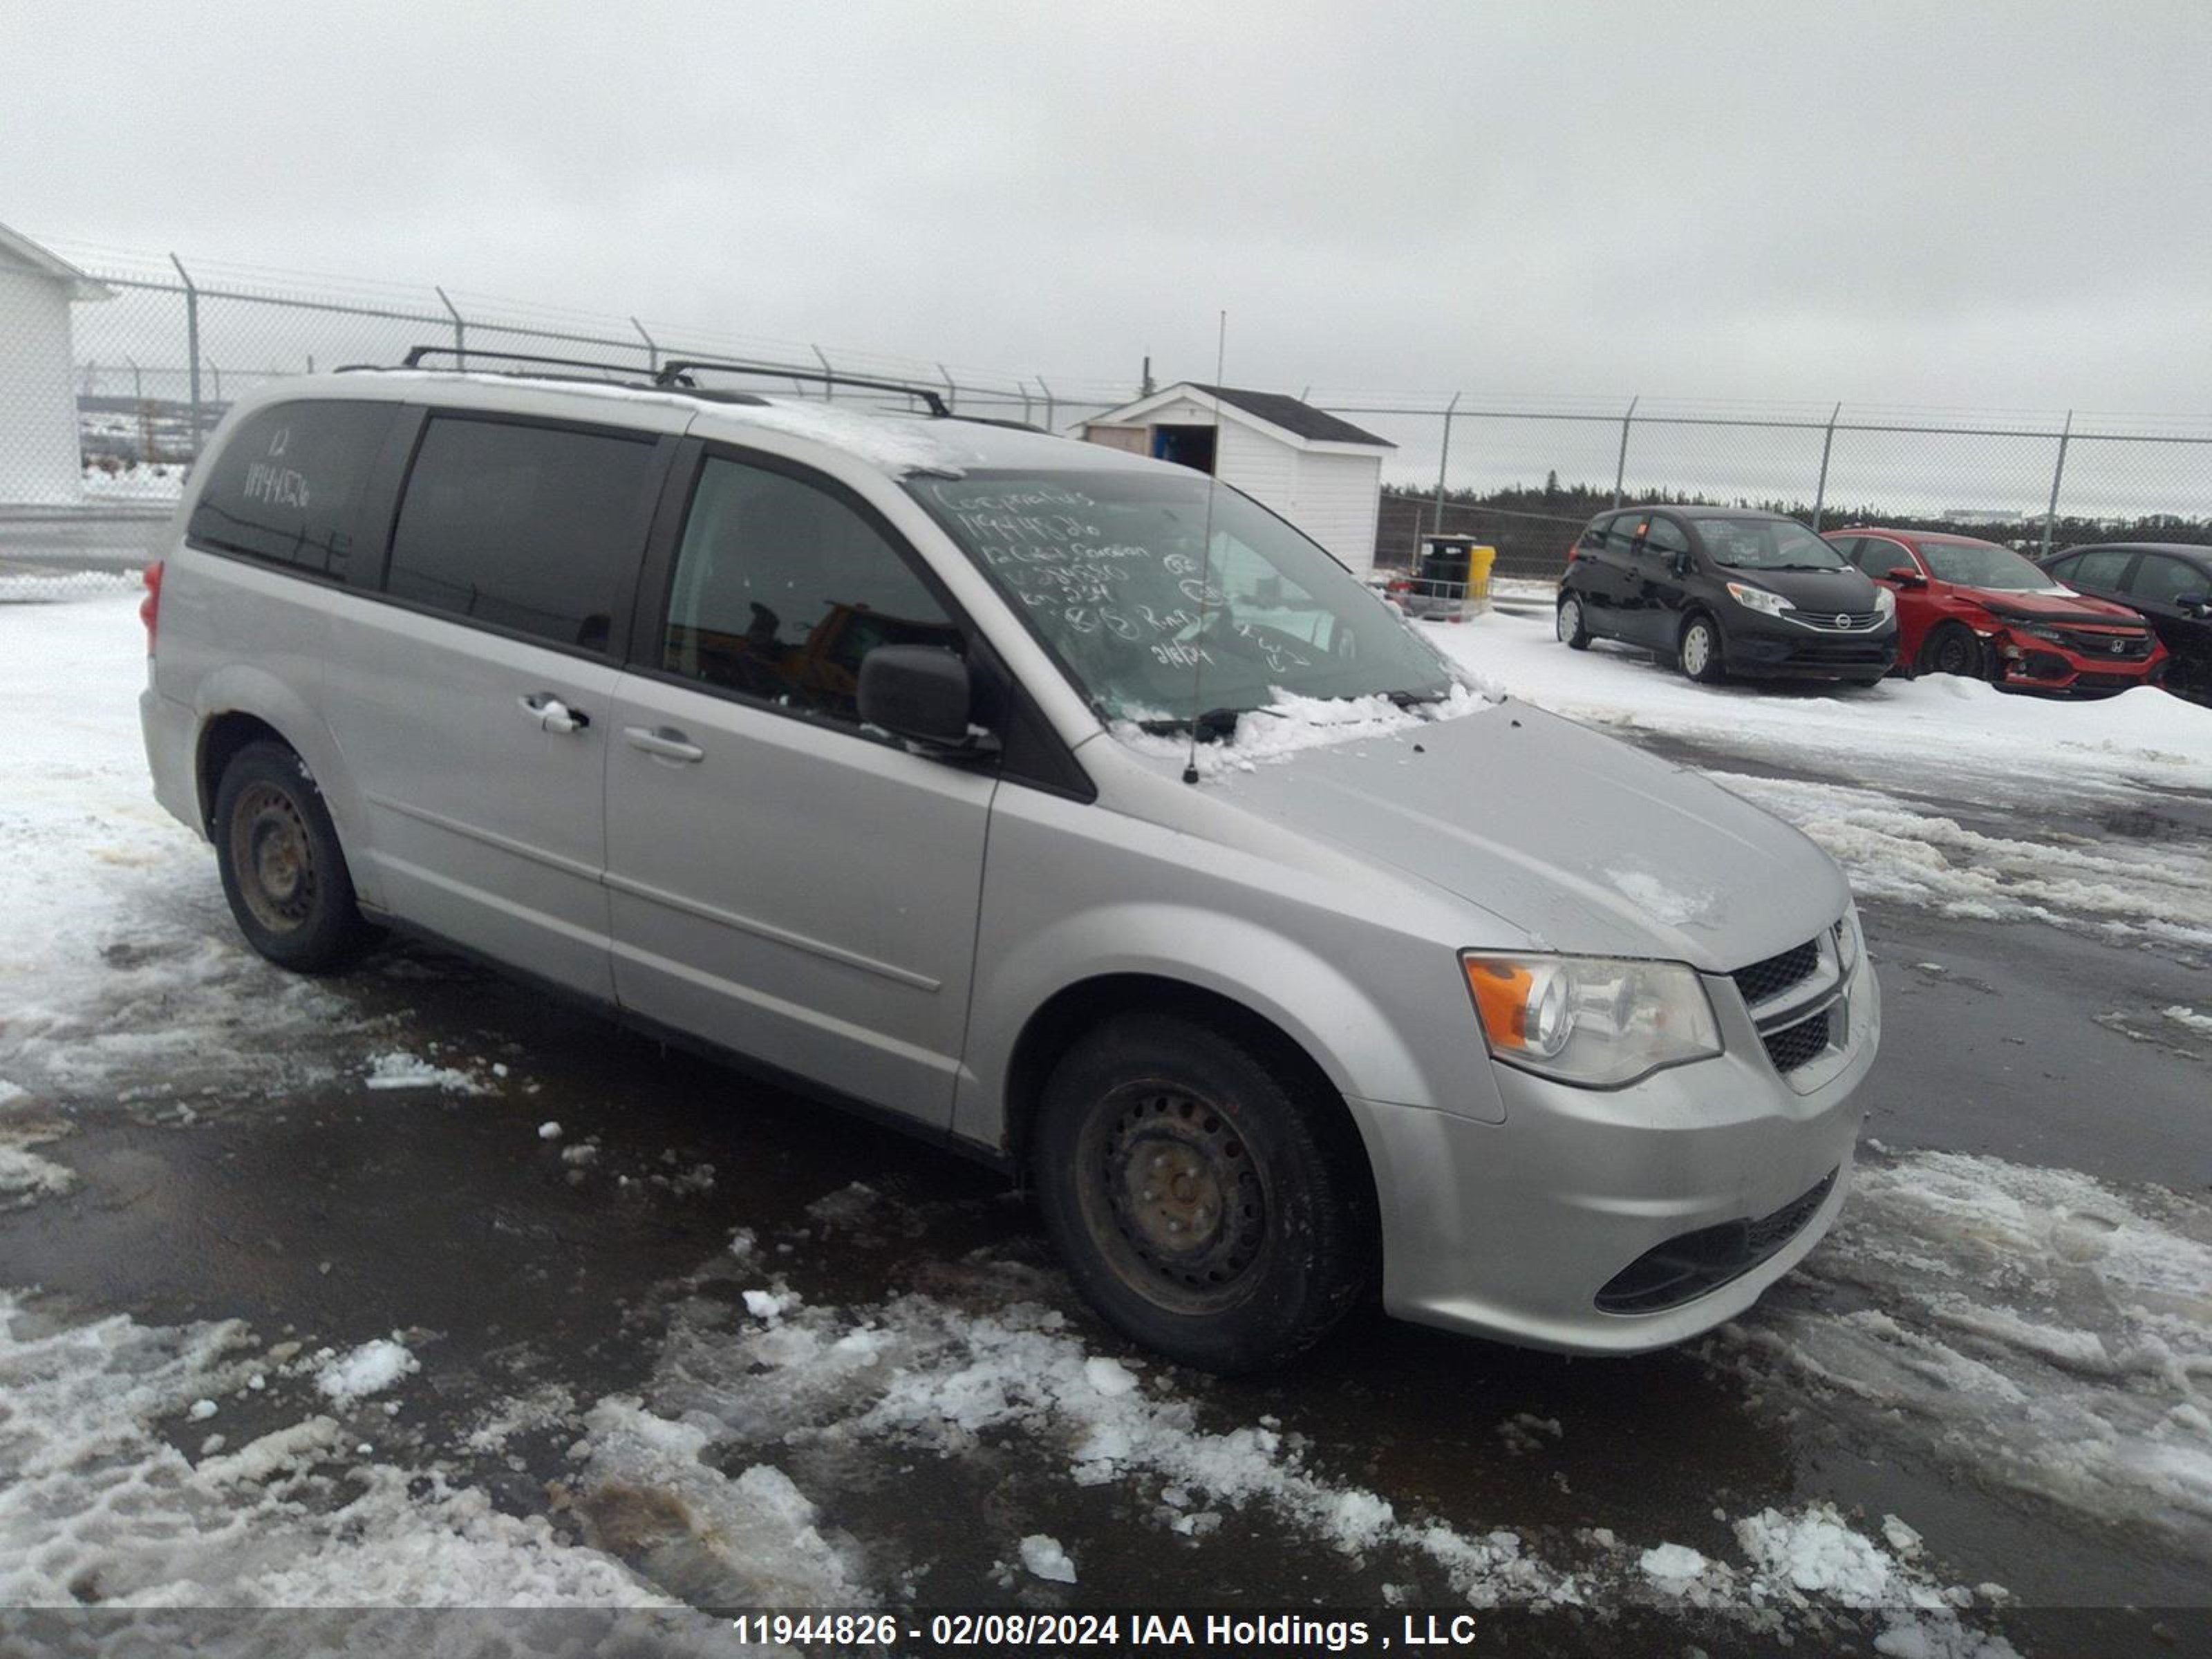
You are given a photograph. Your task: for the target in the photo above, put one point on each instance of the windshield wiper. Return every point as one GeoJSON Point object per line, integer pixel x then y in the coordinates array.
{"type": "Point", "coordinates": [1214, 723]}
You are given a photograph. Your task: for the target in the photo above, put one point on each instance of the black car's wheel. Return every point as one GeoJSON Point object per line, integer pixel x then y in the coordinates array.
{"type": "Point", "coordinates": [282, 869]}
{"type": "Point", "coordinates": [1574, 630]}
{"type": "Point", "coordinates": [1952, 648]}
{"type": "Point", "coordinates": [1700, 650]}
{"type": "Point", "coordinates": [1206, 1202]}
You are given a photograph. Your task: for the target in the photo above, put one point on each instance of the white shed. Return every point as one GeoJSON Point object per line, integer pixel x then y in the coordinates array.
{"type": "Point", "coordinates": [40, 463]}
{"type": "Point", "coordinates": [1323, 474]}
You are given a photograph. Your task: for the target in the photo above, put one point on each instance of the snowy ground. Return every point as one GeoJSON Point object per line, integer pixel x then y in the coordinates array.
{"type": "Point", "coordinates": [401, 1289]}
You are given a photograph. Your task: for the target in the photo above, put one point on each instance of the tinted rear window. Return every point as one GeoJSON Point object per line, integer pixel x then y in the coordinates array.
{"type": "Point", "coordinates": [532, 528]}
{"type": "Point", "coordinates": [288, 485]}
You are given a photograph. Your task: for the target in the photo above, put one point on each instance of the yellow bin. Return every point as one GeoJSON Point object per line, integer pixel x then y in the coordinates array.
{"type": "Point", "coordinates": [1479, 560]}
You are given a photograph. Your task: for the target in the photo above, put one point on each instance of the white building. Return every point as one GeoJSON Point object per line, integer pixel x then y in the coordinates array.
{"type": "Point", "coordinates": [39, 462]}
{"type": "Point", "coordinates": [1323, 474]}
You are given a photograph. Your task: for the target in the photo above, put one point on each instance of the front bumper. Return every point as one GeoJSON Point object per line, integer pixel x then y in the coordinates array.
{"type": "Point", "coordinates": [1514, 1229]}
{"type": "Point", "coordinates": [2024, 662]}
{"type": "Point", "coordinates": [1769, 648]}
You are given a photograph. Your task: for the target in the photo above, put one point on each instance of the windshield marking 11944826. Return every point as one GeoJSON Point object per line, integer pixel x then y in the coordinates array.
{"type": "Point", "coordinates": [1113, 573]}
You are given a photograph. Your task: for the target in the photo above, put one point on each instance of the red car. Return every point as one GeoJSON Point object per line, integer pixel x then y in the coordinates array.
{"type": "Point", "coordinates": [1972, 607]}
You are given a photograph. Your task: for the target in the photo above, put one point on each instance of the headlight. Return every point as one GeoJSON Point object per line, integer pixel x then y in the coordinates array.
{"type": "Point", "coordinates": [1591, 1020]}
{"type": "Point", "coordinates": [1758, 599]}
{"type": "Point", "coordinates": [1885, 602]}
{"type": "Point", "coordinates": [2039, 631]}
{"type": "Point", "coordinates": [1849, 942]}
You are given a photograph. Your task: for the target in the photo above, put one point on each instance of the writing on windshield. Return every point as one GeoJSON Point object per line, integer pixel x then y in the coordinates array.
{"type": "Point", "coordinates": [1153, 619]}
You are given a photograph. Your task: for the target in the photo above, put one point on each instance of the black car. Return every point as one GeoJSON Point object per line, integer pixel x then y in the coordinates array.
{"type": "Point", "coordinates": [1726, 591]}
{"type": "Point", "coordinates": [2170, 582]}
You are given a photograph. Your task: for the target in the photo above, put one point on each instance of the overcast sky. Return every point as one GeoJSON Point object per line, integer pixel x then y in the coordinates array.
{"type": "Point", "coordinates": [1991, 206]}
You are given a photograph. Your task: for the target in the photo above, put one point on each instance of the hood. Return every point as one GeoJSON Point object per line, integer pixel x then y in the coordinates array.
{"type": "Point", "coordinates": [1840, 589]}
{"type": "Point", "coordinates": [1579, 841]}
{"type": "Point", "coordinates": [2057, 604]}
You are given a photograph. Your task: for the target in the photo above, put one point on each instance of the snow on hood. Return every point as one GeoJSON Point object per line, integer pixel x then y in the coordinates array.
{"type": "Point", "coordinates": [1579, 841]}
{"type": "Point", "coordinates": [1291, 725]}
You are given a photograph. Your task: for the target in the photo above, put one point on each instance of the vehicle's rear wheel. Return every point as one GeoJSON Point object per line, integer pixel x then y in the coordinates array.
{"type": "Point", "coordinates": [1207, 1202]}
{"type": "Point", "coordinates": [1951, 649]}
{"type": "Point", "coordinates": [1701, 650]}
{"type": "Point", "coordinates": [1574, 632]}
{"type": "Point", "coordinates": [282, 869]}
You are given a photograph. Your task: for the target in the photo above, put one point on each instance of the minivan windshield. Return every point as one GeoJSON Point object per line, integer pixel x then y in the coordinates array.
{"type": "Point", "coordinates": [1113, 573]}
{"type": "Point", "coordinates": [1765, 544]}
{"type": "Point", "coordinates": [1983, 564]}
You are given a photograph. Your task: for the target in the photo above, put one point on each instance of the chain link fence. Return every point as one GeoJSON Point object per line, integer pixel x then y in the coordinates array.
{"type": "Point", "coordinates": [136, 363]}
{"type": "Point", "coordinates": [1526, 476]}
{"type": "Point", "coordinates": [112, 377]}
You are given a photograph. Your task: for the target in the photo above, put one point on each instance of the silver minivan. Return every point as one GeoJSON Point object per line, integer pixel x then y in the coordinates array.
{"type": "Point", "coordinates": [1059, 803]}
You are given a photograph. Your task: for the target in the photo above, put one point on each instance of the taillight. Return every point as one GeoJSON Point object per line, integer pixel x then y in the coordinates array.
{"type": "Point", "coordinates": [1401, 586]}
{"type": "Point", "coordinates": [149, 608]}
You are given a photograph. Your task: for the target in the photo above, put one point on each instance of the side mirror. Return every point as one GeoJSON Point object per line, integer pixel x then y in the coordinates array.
{"type": "Point", "coordinates": [2194, 604]}
{"type": "Point", "coordinates": [1683, 564]}
{"type": "Point", "coordinates": [919, 692]}
{"type": "Point", "coordinates": [1903, 576]}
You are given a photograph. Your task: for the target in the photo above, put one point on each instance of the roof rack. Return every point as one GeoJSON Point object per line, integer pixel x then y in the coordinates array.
{"type": "Point", "coordinates": [677, 371]}
{"type": "Point", "coordinates": [416, 354]}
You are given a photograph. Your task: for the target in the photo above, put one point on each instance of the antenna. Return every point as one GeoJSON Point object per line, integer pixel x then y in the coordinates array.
{"type": "Point", "coordinates": [1205, 553]}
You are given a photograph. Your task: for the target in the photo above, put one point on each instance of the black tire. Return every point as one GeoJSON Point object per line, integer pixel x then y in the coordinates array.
{"type": "Point", "coordinates": [283, 870]}
{"type": "Point", "coordinates": [1952, 648]}
{"type": "Point", "coordinates": [1157, 1125]}
{"type": "Point", "coordinates": [1703, 663]}
{"type": "Point", "coordinates": [1572, 626]}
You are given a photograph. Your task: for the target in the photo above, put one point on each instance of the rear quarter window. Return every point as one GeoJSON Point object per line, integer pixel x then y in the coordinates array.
{"type": "Point", "coordinates": [287, 486]}
{"type": "Point", "coordinates": [536, 530]}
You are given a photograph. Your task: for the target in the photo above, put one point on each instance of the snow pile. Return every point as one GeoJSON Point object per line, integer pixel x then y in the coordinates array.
{"type": "Point", "coordinates": [651, 1493]}
{"type": "Point", "coordinates": [1968, 734]}
{"type": "Point", "coordinates": [399, 1069]}
{"type": "Point", "coordinates": [96, 1503]}
{"type": "Point", "coordinates": [369, 1368]}
{"type": "Point", "coordinates": [26, 1177]}
{"type": "Point", "coordinates": [1292, 723]}
{"type": "Point", "coordinates": [1892, 851]}
{"type": "Point", "coordinates": [2035, 1328]}
{"type": "Point", "coordinates": [1045, 1557]}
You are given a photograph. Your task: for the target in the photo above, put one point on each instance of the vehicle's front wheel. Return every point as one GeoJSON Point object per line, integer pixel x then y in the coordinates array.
{"type": "Point", "coordinates": [1951, 649]}
{"type": "Point", "coordinates": [1574, 630]}
{"type": "Point", "coordinates": [1206, 1201]}
{"type": "Point", "coordinates": [1701, 650]}
{"type": "Point", "coordinates": [282, 869]}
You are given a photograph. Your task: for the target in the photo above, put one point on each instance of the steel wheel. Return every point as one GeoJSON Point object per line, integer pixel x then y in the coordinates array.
{"type": "Point", "coordinates": [1571, 621]}
{"type": "Point", "coordinates": [274, 857]}
{"type": "Point", "coordinates": [1701, 650]}
{"type": "Point", "coordinates": [1185, 1205]}
{"type": "Point", "coordinates": [282, 869]}
{"type": "Point", "coordinates": [1210, 1200]}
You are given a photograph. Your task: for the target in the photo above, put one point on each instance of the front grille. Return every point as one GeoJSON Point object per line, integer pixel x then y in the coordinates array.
{"type": "Point", "coordinates": [1837, 622]}
{"type": "Point", "coordinates": [1775, 975]}
{"type": "Point", "coordinates": [2132, 646]}
{"type": "Point", "coordinates": [1797, 1045]}
{"type": "Point", "coordinates": [1690, 1264]}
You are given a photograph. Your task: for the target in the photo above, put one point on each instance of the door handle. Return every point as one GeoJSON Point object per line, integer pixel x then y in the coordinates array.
{"type": "Point", "coordinates": [664, 742]}
{"type": "Point", "coordinates": [551, 714]}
